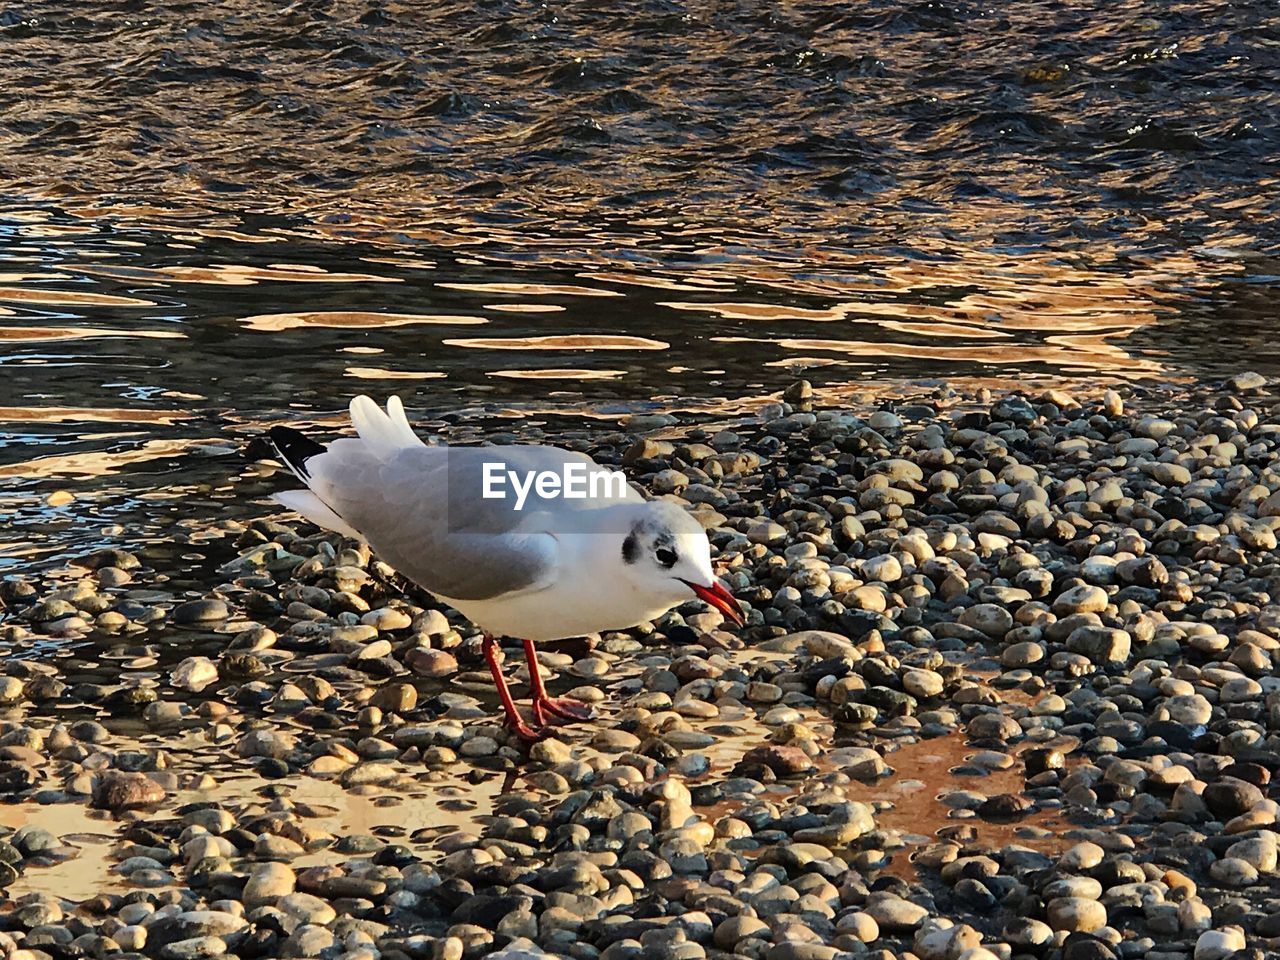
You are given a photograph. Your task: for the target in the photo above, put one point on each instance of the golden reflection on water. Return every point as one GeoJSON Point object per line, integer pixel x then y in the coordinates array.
{"type": "Point", "coordinates": [413, 263]}
{"type": "Point", "coordinates": [278, 322]}
{"type": "Point", "coordinates": [83, 333]}
{"type": "Point", "coordinates": [803, 362]}
{"type": "Point", "coordinates": [89, 414]}
{"type": "Point", "coordinates": [378, 373]}
{"type": "Point", "coordinates": [656, 281]}
{"type": "Point", "coordinates": [558, 373]}
{"type": "Point", "coordinates": [525, 307]}
{"type": "Point", "coordinates": [995, 295]}
{"type": "Point", "coordinates": [236, 275]}
{"type": "Point", "coordinates": [531, 289]}
{"type": "Point", "coordinates": [47, 296]}
{"type": "Point", "coordinates": [944, 330]}
{"type": "Point", "coordinates": [568, 342]}
{"type": "Point", "coordinates": [237, 236]}
{"type": "Point", "coordinates": [1089, 353]}
{"type": "Point", "coordinates": [58, 230]}
{"type": "Point", "coordinates": [21, 277]}
{"type": "Point", "coordinates": [734, 324]}
{"type": "Point", "coordinates": [96, 463]}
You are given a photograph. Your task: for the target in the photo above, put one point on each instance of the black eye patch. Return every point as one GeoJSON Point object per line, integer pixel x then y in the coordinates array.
{"type": "Point", "coordinates": [666, 556]}
{"type": "Point", "coordinates": [630, 549]}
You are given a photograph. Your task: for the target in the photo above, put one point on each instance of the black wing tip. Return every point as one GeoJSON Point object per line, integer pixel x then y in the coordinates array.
{"type": "Point", "coordinates": [295, 448]}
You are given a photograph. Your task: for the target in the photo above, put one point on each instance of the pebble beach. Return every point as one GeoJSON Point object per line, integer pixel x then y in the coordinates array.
{"type": "Point", "coordinates": [1007, 689]}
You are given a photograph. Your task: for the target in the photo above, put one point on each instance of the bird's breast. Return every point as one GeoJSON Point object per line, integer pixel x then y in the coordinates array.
{"type": "Point", "coordinates": [561, 611]}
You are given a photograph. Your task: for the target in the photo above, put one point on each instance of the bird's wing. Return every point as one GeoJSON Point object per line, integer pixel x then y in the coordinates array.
{"type": "Point", "coordinates": [403, 507]}
{"type": "Point", "coordinates": [423, 509]}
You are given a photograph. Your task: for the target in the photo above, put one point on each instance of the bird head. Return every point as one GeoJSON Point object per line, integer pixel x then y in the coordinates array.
{"type": "Point", "coordinates": [666, 553]}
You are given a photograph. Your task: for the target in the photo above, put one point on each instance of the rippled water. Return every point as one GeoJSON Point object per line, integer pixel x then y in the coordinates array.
{"type": "Point", "coordinates": [213, 214]}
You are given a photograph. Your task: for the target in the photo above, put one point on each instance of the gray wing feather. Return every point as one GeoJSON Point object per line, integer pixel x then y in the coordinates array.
{"type": "Point", "coordinates": [421, 509]}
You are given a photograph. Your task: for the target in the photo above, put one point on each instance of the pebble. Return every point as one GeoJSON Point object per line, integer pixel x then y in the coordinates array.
{"type": "Point", "coordinates": [432, 663]}
{"type": "Point", "coordinates": [268, 883]}
{"type": "Point", "coordinates": [1081, 599]}
{"type": "Point", "coordinates": [893, 914]}
{"type": "Point", "coordinates": [200, 611]}
{"type": "Point", "coordinates": [194, 674]}
{"type": "Point", "coordinates": [387, 619]}
{"type": "Point", "coordinates": [1076, 914]}
{"type": "Point", "coordinates": [117, 790]}
{"type": "Point", "coordinates": [1219, 944]}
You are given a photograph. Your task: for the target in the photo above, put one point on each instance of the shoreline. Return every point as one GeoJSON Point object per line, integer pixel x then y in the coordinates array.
{"type": "Point", "coordinates": [1067, 607]}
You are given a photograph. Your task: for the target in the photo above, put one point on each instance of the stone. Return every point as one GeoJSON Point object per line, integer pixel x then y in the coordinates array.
{"type": "Point", "coordinates": [734, 930]}
{"type": "Point", "coordinates": [1248, 380]}
{"type": "Point", "coordinates": [1027, 933]}
{"type": "Point", "coordinates": [1076, 914]}
{"type": "Point", "coordinates": [1239, 690]}
{"type": "Point", "coordinates": [795, 950]}
{"type": "Point", "coordinates": [994, 726]}
{"type": "Point", "coordinates": [11, 689]}
{"type": "Point", "coordinates": [893, 914]}
{"type": "Point", "coordinates": [33, 840]}
{"type": "Point", "coordinates": [192, 924]}
{"type": "Point", "coordinates": [1219, 944]}
{"type": "Point", "coordinates": [884, 569]}
{"type": "Point", "coordinates": [1022, 654]}
{"type": "Point", "coordinates": [785, 761]}
{"type": "Point", "coordinates": [1102, 645]}
{"type": "Point", "coordinates": [200, 611]}
{"type": "Point", "coordinates": [766, 532]}
{"type": "Point", "coordinates": [922, 683]}
{"type": "Point", "coordinates": [1081, 857]}
{"type": "Point", "coordinates": [396, 698]}
{"type": "Point", "coordinates": [861, 926]}
{"type": "Point", "coordinates": [309, 940]}
{"type": "Point", "coordinates": [1191, 710]}
{"type": "Point", "coordinates": [1081, 599]}
{"type": "Point", "coordinates": [194, 674]}
{"type": "Point", "coordinates": [1230, 797]}
{"type": "Point", "coordinates": [1169, 474]}
{"type": "Point", "coordinates": [1233, 872]}
{"type": "Point", "coordinates": [1259, 852]}
{"type": "Point", "coordinates": [990, 618]}
{"type": "Point", "coordinates": [267, 883]}
{"type": "Point", "coordinates": [386, 619]}
{"type": "Point", "coordinates": [116, 790]}
{"type": "Point", "coordinates": [196, 948]}
{"type": "Point", "coordinates": [276, 744]}
{"type": "Point", "coordinates": [431, 663]}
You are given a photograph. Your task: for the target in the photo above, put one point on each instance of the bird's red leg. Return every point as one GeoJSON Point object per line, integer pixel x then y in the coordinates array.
{"type": "Point", "coordinates": [514, 721]}
{"type": "Point", "coordinates": [565, 708]}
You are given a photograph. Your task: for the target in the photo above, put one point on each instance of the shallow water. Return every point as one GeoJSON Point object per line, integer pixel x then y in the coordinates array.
{"type": "Point", "coordinates": [213, 215]}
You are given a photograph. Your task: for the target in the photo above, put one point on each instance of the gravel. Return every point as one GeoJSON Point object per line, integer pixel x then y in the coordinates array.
{"type": "Point", "coordinates": [1006, 690]}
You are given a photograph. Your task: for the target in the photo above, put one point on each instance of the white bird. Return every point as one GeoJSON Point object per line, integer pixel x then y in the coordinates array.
{"type": "Point", "coordinates": [555, 568]}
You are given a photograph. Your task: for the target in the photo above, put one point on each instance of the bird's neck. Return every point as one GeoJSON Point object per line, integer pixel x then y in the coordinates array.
{"type": "Point", "coordinates": [595, 545]}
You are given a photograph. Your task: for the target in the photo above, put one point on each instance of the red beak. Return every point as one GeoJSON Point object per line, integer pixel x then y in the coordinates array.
{"type": "Point", "coordinates": [720, 598]}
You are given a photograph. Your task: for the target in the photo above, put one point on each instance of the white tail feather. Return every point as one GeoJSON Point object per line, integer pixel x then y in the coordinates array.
{"type": "Point", "coordinates": [375, 428]}
{"type": "Point", "coordinates": [395, 411]}
{"type": "Point", "coordinates": [383, 432]}
{"type": "Point", "coordinates": [309, 505]}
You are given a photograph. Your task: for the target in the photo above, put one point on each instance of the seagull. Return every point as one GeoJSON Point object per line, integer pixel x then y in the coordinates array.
{"type": "Point", "coordinates": [546, 568]}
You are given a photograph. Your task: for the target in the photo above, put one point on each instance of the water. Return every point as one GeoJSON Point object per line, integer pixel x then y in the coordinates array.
{"type": "Point", "coordinates": [213, 215]}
